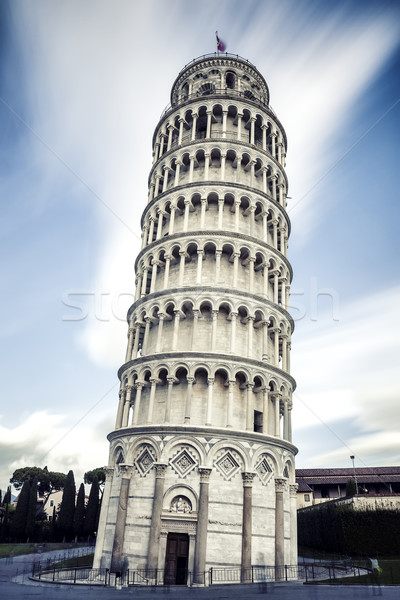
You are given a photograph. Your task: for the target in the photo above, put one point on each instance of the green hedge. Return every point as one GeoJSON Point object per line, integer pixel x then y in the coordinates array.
{"type": "Point", "coordinates": [347, 531]}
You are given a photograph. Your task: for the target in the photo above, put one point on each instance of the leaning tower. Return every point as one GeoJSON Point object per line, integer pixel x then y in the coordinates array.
{"type": "Point", "coordinates": [201, 468]}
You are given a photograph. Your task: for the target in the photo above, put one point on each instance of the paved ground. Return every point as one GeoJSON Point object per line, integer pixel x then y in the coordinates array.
{"type": "Point", "coordinates": [15, 585]}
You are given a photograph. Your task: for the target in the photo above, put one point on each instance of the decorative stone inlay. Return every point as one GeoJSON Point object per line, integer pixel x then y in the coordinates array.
{"type": "Point", "coordinates": [227, 465]}
{"type": "Point", "coordinates": [264, 470]}
{"type": "Point", "coordinates": [145, 460]}
{"type": "Point", "coordinates": [183, 462]}
{"type": "Point", "coordinates": [181, 504]}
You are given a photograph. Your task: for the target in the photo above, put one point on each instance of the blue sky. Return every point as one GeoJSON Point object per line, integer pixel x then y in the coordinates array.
{"type": "Point", "coordinates": [83, 85]}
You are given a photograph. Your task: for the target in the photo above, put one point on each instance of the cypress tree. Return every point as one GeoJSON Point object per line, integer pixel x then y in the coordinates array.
{"type": "Point", "coordinates": [79, 515]}
{"type": "Point", "coordinates": [92, 509]}
{"type": "Point", "coordinates": [21, 513]}
{"type": "Point", "coordinates": [5, 525]}
{"type": "Point", "coordinates": [7, 496]}
{"type": "Point", "coordinates": [32, 509]}
{"type": "Point", "coordinates": [67, 509]}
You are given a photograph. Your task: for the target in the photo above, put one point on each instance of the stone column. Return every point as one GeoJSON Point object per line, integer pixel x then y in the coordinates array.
{"type": "Point", "coordinates": [279, 529]}
{"type": "Point", "coordinates": [182, 254]}
{"type": "Point", "coordinates": [166, 271]}
{"type": "Point", "coordinates": [247, 527]}
{"type": "Point", "coordinates": [139, 386]}
{"type": "Point", "coordinates": [188, 405]}
{"type": "Point", "coordinates": [206, 165]}
{"type": "Point", "coordinates": [239, 126]}
{"type": "Point", "coordinates": [276, 331]}
{"type": "Point", "coordinates": [161, 214]}
{"type": "Point", "coordinates": [101, 530]}
{"type": "Point", "coordinates": [214, 319]}
{"type": "Point", "coordinates": [265, 392]}
{"type": "Point", "coordinates": [194, 328]}
{"type": "Point", "coordinates": [128, 355]}
{"type": "Point", "coordinates": [252, 260]}
{"type": "Point", "coordinates": [284, 352]}
{"type": "Point", "coordinates": [220, 212]}
{"type": "Point", "coordinates": [252, 124]}
{"type": "Point", "coordinates": [210, 382]}
{"type": "Point", "coordinates": [153, 382]}
{"type": "Point", "coordinates": [172, 220]}
{"type": "Point", "coordinates": [203, 212]}
{"type": "Point", "coordinates": [233, 316]}
{"type": "Point", "coordinates": [237, 215]}
{"type": "Point", "coordinates": [178, 315]}
{"type": "Point", "coordinates": [223, 164]}
{"type": "Point", "coordinates": [186, 215]}
{"type": "Point", "coordinates": [264, 137]}
{"type": "Point", "coordinates": [161, 318]}
{"type": "Point", "coordinates": [181, 120]}
{"type": "Point", "coordinates": [155, 264]}
{"type": "Point", "coordinates": [277, 404]}
{"type": "Point", "coordinates": [290, 407]}
{"type": "Point", "coordinates": [231, 384]}
{"type": "Point", "coordinates": [224, 116]}
{"type": "Point", "coordinates": [293, 523]}
{"type": "Point", "coordinates": [202, 526]}
{"type": "Point", "coordinates": [146, 335]}
{"type": "Point", "coordinates": [200, 254]}
{"type": "Point", "coordinates": [265, 355]}
{"type": "Point", "coordinates": [118, 420]}
{"type": "Point", "coordinates": [127, 405]}
{"type": "Point", "coordinates": [218, 254]}
{"type": "Point", "coordinates": [117, 560]}
{"type": "Point", "coordinates": [155, 528]}
{"type": "Point", "coordinates": [144, 281]}
{"type": "Point", "coordinates": [285, 419]}
{"type": "Point", "coordinates": [250, 408]}
{"type": "Point", "coordinates": [151, 228]}
{"type": "Point", "coordinates": [250, 321]}
{"type": "Point", "coordinates": [208, 132]}
{"type": "Point", "coordinates": [235, 268]}
{"type": "Point", "coordinates": [144, 235]}
{"type": "Point", "coordinates": [171, 381]}
{"type": "Point", "coordinates": [195, 115]}
{"type": "Point", "coordinates": [177, 173]}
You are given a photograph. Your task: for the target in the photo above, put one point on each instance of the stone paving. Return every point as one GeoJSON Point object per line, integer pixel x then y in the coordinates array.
{"type": "Point", "coordinates": [15, 585]}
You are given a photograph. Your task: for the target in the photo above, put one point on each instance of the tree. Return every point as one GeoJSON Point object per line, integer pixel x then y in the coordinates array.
{"type": "Point", "coordinates": [79, 515]}
{"type": "Point", "coordinates": [92, 509]}
{"type": "Point", "coordinates": [4, 531]}
{"type": "Point", "coordinates": [7, 496]}
{"type": "Point", "coordinates": [32, 510]}
{"type": "Point", "coordinates": [351, 487]}
{"type": "Point", "coordinates": [67, 508]}
{"type": "Point", "coordinates": [101, 477]}
{"type": "Point", "coordinates": [21, 513]}
{"type": "Point", "coordinates": [48, 481]}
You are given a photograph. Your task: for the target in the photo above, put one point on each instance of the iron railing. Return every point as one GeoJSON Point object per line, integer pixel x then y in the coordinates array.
{"type": "Point", "coordinates": [159, 577]}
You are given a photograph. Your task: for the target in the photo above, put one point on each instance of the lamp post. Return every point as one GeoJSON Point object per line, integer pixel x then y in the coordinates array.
{"type": "Point", "coordinates": [355, 477]}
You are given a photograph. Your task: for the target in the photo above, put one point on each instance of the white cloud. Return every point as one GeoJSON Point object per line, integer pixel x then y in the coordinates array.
{"type": "Point", "coordinates": [348, 371]}
{"type": "Point", "coordinates": [43, 438]}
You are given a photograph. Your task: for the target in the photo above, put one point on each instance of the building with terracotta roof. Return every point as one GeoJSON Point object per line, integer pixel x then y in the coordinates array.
{"type": "Point", "coordinates": [321, 485]}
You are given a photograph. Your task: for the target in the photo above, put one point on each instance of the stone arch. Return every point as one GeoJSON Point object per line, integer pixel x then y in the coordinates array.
{"type": "Point", "coordinates": [180, 490]}
{"type": "Point", "coordinates": [220, 448]}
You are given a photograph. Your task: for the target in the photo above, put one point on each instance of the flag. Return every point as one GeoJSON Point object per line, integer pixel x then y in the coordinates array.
{"type": "Point", "coordinates": [221, 46]}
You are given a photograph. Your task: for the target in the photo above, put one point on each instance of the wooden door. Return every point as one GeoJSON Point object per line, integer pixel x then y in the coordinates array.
{"type": "Point", "coordinates": [176, 559]}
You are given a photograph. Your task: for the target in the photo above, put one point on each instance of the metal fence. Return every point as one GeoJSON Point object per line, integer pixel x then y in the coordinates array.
{"type": "Point", "coordinates": [158, 577]}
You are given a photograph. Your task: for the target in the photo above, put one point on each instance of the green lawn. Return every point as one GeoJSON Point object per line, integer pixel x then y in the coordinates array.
{"type": "Point", "coordinates": [388, 574]}
{"type": "Point", "coordinates": [17, 549]}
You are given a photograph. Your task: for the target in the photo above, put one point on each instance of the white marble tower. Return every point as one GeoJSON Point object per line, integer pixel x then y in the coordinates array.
{"type": "Point", "coordinates": [201, 469]}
